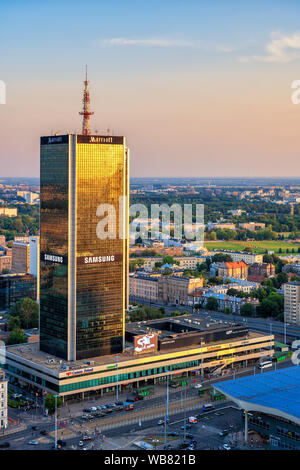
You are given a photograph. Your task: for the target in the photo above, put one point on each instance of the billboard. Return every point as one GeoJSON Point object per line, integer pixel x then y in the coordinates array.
{"type": "Point", "coordinates": [145, 343]}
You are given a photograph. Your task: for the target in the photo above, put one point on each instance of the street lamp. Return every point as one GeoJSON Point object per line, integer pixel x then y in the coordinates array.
{"type": "Point", "coordinates": [55, 428]}
{"type": "Point", "coordinates": [117, 387]}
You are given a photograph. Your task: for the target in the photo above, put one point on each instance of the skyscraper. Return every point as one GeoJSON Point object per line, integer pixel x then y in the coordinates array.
{"type": "Point", "coordinates": [83, 274]}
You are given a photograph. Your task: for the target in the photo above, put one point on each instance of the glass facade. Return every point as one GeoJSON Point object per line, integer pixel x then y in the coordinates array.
{"type": "Point", "coordinates": [54, 241]}
{"type": "Point", "coordinates": [100, 286]}
{"type": "Point", "coordinates": [82, 276]}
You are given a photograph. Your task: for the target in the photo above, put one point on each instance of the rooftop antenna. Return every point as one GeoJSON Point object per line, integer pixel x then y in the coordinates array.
{"type": "Point", "coordinates": [86, 113]}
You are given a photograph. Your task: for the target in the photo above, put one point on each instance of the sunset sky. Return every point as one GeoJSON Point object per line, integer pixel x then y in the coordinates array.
{"type": "Point", "coordinates": [198, 88]}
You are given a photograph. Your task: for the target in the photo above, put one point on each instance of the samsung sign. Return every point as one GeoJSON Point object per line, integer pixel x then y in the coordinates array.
{"type": "Point", "coordinates": [103, 259]}
{"type": "Point", "coordinates": [53, 258]}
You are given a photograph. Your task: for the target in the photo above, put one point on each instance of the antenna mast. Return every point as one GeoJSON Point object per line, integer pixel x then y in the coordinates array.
{"type": "Point", "coordinates": [86, 113]}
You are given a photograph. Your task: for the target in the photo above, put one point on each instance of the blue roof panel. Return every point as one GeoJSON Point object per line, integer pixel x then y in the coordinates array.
{"type": "Point", "coordinates": [278, 389]}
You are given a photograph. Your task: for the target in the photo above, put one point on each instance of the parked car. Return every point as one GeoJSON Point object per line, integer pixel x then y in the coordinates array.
{"type": "Point", "coordinates": [226, 447]}
{"type": "Point", "coordinates": [34, 428]}
{"type": "Point", "coordinates": [86, 410]}
{"type": "Point", "coordinates": [129, 408]}
{"type": "Point", "coordinates": [33, 443]}
{"type": "Point", "coordinates": [130, 400]}
{"type": "Point", "coordinates": [44, 432]}
{"type": "Point", "coordinates": [138, 397]}
{"type": "Point", "coordinates": [173, 434]}
{"type": "Point", "coordinates": [223, 433]}
{"type": "Point", "coordinates": [61, 443]}
{"type": "Point", "coordinates": [160, 422]}
{"type": "Point", "coordinates": [197, 386]}
{"type": "Point", "coordinates": [86, 438]}
{"type": "Point", "coordinates": [80, 444]}
{"type": "Point", "coordinates": [4, 445]}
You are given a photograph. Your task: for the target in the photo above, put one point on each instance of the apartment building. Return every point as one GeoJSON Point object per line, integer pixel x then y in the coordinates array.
{"type": "Point", "coordinates": [143, 286]}
{"type": "Point", "coordinates": [248, 258]}
{"type": "Point", "coordinates": [292, 302]}
{"type": "Point", "coordinates": [9, 211]}
{"type": "Point", "coordinates": [176, 289]}
{"type": "Point", "coordinates": [185, 262]}
{"type": "Point", "coordinates": [262, 269]}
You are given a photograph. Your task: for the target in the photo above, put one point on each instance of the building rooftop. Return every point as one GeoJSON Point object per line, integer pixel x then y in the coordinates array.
{"type": "Point", "coordinates": [276, 393]}
{"type": "Point", "coordinates": [50, 363]}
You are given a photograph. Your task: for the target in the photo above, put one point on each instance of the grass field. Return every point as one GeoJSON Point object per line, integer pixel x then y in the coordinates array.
{"type": "Point", "coordinates": [256, 246]}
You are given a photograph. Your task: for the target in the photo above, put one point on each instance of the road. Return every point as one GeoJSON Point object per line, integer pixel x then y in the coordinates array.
{"type": "Point", "coordinates": [260, 324]}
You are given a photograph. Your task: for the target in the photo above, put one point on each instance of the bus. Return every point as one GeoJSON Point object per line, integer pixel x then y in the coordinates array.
{"type": "Point", "coordinates": [207, 407]}
{"type": "Point", "coordinates": [265, 365]}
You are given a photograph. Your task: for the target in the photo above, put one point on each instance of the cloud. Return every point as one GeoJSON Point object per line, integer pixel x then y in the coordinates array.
{"type": "Point", "coordinates": [151, 42]}
{"type": "Point", "coordinates": [164, 43]}
{"type": "Point", "coordinates": [280, 49]}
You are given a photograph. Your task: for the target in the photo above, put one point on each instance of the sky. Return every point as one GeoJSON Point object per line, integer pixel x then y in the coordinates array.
{"type": "Point", "coordinates": [199, 88]}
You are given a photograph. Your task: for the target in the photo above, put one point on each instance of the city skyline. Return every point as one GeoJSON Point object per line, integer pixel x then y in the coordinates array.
{"type": "Point", "coordinates": [199, 89]}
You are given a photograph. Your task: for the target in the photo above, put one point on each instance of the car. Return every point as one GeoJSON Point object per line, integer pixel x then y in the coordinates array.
{"type": "Point", "coordinates": [138, 397]}
{"type": "Point", "coordinates": [173, 434]}
{"type": "Point", "coordinates": [197, 386]}
{"type": "Point", "coordinates": [184, 445]}
{"type": "Point", "coordinates": [193, 420]}
{"type": "Point", "coordinates": [4, 445]}
{"type": "Point", "coordinates": [119, 403]}
{"type": "Point", "coordinates": [129, 408]}
{"type": "Point", "coordinates": [61, 443]}
{"type": "Point", "coordinates": [226, 447]}
{"type": "Point", "coordinates": [223, 433]}
{"type": "Point", "coordinates": [187, 426]}
{"type": "Point", "coordinates": [129, 400]}
{"type": "Point", "coordinates": [34, 428]}
{"type": "Point", "coordinates": [189, 435]}
{"type": "Point", "coordinates": [33, 443]}
{"type": "Point", "coordinates": [86, 410]}
{"type": "Point", "coordinates": [99, 408]}
{"type": "Point", "coordinates": [193, 442]}
{"type": "Point", "coordinates": [80, 444]}
{"type": "Point", "coordinates": [17, 395]}
{"type": "Point", "coordinates": [93, 408]}
{"type": "Point", "coordinates": [191, 447]}
{"type": "Point", "coordinates": [44, 432]}
{"type": "Point", "coordinates": [160, 422]}
{"type": "Point", "coordinates": [86, 438]}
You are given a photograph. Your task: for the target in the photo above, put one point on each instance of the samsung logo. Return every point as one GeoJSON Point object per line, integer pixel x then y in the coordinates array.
{"type": "Point", "coordinates": [98, 259]}
{"type": "Point", "coordinates": [54, 258]}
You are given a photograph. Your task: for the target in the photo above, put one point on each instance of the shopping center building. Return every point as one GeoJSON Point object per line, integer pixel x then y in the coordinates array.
{"type": "Point", "coordinates": [179, 346]}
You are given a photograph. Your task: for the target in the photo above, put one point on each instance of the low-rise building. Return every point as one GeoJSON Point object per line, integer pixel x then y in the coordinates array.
{"type": "Point", "coordinates": [186, 262]}
{"type": "Point", "coordinates": [143, 286]}
{"type": "Point", "coordinates": [226, 301]}
{"type": "Point", "coordinates": [9, 211]}
{"type": "Point", "coordinates": [248, 258]}
{"type": "Point", "coordinates": [262, 269]}
{"type": "Point", "coordinates": [238, 269]}
{"type": "Point", "coordinates": [252, 226]}
{"type": "Point", "coordinates": [176, 289]}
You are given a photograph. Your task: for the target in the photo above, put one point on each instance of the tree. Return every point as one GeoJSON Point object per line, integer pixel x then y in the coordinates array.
{"type": "Point", "coordinates": [17, 337]}
{"type": "Point", "coordinates": [212, 303]}
{"type": "Point", "coordinates": [221, 257]}
{"type": "Point", "coordinates": [14, 322]}
{"type": "Point", "coordinates": [247, 310]}
{"type": "Point", "coordinates": [28, 311]}
{"type": "Point", "coordinates": [50, 403]}
{"type": "Point", "coordinates": [282, 278]}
